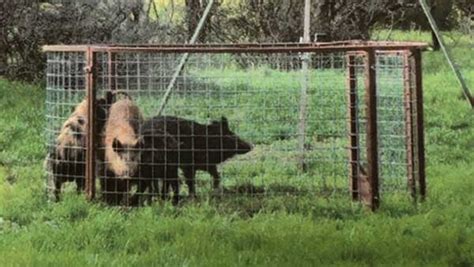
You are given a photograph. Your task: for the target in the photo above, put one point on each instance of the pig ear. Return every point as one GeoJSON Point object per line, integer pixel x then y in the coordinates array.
{"type": "Point", "coordinates": [117, 146]}
{"type": "Point", "coordinates": [224, 123]}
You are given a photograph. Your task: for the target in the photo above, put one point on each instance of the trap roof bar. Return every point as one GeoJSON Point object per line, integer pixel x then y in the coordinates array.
{"type": "Point", "coordinates": [243, 47]}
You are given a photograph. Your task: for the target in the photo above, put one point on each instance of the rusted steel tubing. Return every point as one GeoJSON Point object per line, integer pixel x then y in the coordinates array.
{"type": "Point", "coordinates": [238, 50]}
{"type": "Point", "coordinates": [242, 48]}
{"type": "Point", "coordinates": [243, 45]}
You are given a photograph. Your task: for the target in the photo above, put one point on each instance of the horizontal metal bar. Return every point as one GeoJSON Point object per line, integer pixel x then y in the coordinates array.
{"type": "Point", "coordinates": [244, 47]}
{"type": "Point", "coordinates": [65, 48]}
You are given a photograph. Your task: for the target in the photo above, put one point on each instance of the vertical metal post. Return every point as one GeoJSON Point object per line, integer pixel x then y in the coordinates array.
{"type": "Point", "coordinates": [372, 142]}
{"type": "Point", "coordinates": [304, 88]}
{"type": "Point", "coordinates": [419, 123]}
{"type": "Point", "coordinates": [90, 126]}
{"type": "Point", "coordinates": [353, 125]}
{"type": "Point", "coordinates": [408, 101]}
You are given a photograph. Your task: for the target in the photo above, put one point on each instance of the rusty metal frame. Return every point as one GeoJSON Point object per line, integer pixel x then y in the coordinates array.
{"type": "Point", "coordinates": [244, 48]}
{"type": "Point", "coordinates": [364, 180]}
{"type": "Point", "coordinates": [409, 134]}
{"type": "Point", "coordinates": [91, 132]}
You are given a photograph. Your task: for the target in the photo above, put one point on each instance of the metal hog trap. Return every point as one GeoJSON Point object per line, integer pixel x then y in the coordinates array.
{"type": "Point", "coordinates": [321, 118]}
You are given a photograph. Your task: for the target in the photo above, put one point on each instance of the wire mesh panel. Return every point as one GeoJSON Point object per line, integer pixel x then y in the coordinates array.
{"type": "Point", "coordinates": [254, 101]}
{"type": "Point", "coordinates": [66, 117]}
{"type": "Point", "coordinates": [232, 122]}
{"type": "Point", "coordinates": [391, 121]}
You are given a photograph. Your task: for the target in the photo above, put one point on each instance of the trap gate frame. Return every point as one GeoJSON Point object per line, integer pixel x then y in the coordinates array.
{"type": "Point", "coordinates": [363, 186]}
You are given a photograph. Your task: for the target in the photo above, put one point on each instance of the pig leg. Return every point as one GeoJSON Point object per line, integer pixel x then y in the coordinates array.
{"type": "Point", "coordinates": [113, 190]}
{"type": "Point", "coordinates": [138, 198]}
{"type": "Point", "coordinates": [80, 185]}
{"type": "Point", "coordinates": [175, 187]}
{"type": "Point", "coordinates": [172, 172]}
{"type": "Point", "coordinates": [155, 189]}
{"type": "Point", "coordinates": [174, 184]}
{"type": "Point", "coordinates": [189, 174]}
{"type": "Point", "coordinates": [215, 174]}
{"type": "Point", "coordinates": [57, 189]}
{"type": "Point", "coordinates": [164, 189]}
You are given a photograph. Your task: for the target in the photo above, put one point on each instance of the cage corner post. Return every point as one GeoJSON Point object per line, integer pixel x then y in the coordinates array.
{"type": "Point", "coordinates": [420, 136]}
{"type": "Point", "coordinates": [90, 133]}
{"type": "Point", "coordinates": [353, 125]}
{"type": "Point", "coordinates": [371, 198]}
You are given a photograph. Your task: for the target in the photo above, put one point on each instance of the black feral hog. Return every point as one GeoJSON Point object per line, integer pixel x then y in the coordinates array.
{"type": "Point", "coordinates": [201, 147]}
{"type": "Point", "coordinates": [158, 160]}
{"type": "Point", "coordinates": [136, 154]}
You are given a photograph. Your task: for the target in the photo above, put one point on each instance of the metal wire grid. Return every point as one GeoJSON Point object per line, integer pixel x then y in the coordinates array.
{"type": "Point", "coordinates": [392, 138]}
{"type": "Point", "coordinates": [65, 90]}
{"type": "Point", "coordinates": [259, 96]}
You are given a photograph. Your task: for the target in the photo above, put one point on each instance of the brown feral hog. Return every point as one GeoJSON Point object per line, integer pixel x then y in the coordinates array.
{"type": "Point", "coordinates": [122, 143]}
{"type": "Point", "coordinates": [201, 147]}
{"type": "Point", "coordinates": [66, 161]}
{"type": "Point", "coordinates": [136, 154]}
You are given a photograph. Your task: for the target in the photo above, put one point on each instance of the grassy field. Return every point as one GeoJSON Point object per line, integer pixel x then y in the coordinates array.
{"type": "Point", "coordinates": [280, 231]}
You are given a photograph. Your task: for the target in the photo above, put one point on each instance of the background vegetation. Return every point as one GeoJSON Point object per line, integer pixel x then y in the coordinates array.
{"type": "Point", "coordinates": [305, 230]}
{"type": "Point", "coordinates": [27, 25]}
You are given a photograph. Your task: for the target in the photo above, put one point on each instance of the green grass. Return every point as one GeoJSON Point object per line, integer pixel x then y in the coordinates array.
{"type": "Point", "coordinates": [277, 231]}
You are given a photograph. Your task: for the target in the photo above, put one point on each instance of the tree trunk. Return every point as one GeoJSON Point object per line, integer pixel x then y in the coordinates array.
{"type": "Point", "coordinates": [320, 25]}
{"type": "Point", "coordinates": [3, 60]}
{"type": "Point", "coordinates": [4, 19]}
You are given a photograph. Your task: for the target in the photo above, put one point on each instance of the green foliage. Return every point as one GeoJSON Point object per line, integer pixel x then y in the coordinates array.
{"type": "Point", "coordinates": [21, 136]}
{"type": "Point", "coordinates": [313, 228]}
